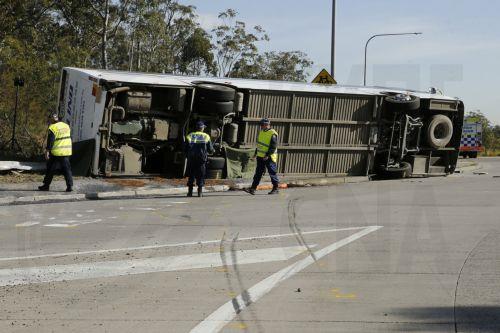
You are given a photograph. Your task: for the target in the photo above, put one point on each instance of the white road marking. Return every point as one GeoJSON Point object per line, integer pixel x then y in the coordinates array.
{"type": "Point", "coordinates": [226, 313]}
{"type": "Point", "coordinates": [88, 222]}
{"type": "Point", "coordinates": [79, 215]}
{"type": "Point", "coordinates": [103, 269]}
{"type": "Point", "coordinates": [139, 208]}
{"type": "Point", "coordinates": [178, 202]}
{"type": "Point", "coordinates": [90, 211]}
{"type": "Point", "coordinates": [160, 246]}
{"type": "Point", "coordinates": [27, 224]}
{"type": "Point", "coordinates": [72, 223]}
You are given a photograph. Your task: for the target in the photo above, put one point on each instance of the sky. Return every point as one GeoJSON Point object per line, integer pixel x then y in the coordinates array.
{"type": "Point", "coordinates": [458, 52]}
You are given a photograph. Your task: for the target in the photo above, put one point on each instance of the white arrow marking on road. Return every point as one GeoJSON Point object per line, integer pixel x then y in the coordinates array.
{"type": "Point", "coordinates": [102, 269]}
{"type": "Point", "coordinates": [226, 313]}
{"type": "Point", "coordinates": [161, 246]}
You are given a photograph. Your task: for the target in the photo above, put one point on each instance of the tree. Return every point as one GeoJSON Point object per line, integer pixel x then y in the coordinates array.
{"type": "Point", "coordinates": [165, 37]}
{"type": "Point", "coordinates": [111, 16]}
{"type": "Point", "coordinates": [283, 66]}
{"type": "Point", "coordinates": [233, 43]}
{"type": "Point", "coordinates": [17, 17]}
{"type": "Point", "coordinates": [196, 56]}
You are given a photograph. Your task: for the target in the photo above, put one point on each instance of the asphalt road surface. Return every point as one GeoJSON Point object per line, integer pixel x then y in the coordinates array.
{"type": "Point", "coordinates": [417, 255]}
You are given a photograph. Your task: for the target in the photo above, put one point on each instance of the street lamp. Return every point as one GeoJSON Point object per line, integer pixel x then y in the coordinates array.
{"type": "Point", "coordinates": [381, 35]}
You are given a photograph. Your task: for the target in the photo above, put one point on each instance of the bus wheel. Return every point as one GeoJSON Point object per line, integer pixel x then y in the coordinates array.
{"type": "Point", "coordinates": [208, 106]}
{"type": "Point", "coordinates": [215, 92]}
{"type": "Point", "coordinates": [402, 102]}
{"type": "Point", "coordinates": [439, 131]}
{"type": "Point", "coordinates": [216, 163]}
{"type": "Point", "coordinates": [403, 171]}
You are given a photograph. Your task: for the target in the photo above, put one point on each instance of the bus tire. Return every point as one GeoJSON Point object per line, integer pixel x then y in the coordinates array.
{"type": "Point", "coordinates": [395, 104]}
{"type": "Point", "coordinates": [214, 174]}
{"type": "Point", "coordinates": [215, 92]}
{"type": "Point", "coordinates": [216, 163]}
{"type": "Point", "coordinates": [439, 131]}
{"type": "Point", "coordinates": [403, 171]}
{"type": "Point", "coordinates": [209, 106]}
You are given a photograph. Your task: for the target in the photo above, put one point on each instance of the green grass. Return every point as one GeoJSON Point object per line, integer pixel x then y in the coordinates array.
{"type": "Point", "coordinates": [491, 152]}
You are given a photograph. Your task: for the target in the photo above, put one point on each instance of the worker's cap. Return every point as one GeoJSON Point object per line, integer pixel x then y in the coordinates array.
{"type": "Point", "coordinates": [264, 121]}
{"type": "Point", "coordinates": [200, 124]}
{"type": "Point", "coordinates": [54, 116]}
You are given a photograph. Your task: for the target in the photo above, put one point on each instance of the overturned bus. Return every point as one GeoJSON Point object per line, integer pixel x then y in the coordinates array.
{"type": "Point", "coordinates": [131, 124]}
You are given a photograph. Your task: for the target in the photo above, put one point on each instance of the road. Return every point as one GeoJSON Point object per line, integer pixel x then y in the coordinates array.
{"type": "Point", "coordinates": [415, 255]}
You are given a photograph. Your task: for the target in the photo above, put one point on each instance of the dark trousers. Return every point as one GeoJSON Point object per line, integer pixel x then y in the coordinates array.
{"type": "Point", "coordinates": [261, 169]}
{"type": "Point", "coordinates": [196, 169]}
{"type": "Point", "coordinates": [52, 165]}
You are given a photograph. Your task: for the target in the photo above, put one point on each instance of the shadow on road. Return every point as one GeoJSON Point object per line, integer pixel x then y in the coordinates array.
{"type": "Point", "coordinates": [468, 318]}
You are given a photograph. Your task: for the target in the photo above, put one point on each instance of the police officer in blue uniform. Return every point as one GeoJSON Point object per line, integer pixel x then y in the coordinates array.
{"type": "Point", "coordinates": [198, 146]}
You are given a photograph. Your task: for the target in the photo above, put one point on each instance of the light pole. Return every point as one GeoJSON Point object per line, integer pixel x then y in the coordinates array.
{"type": "Point", "coordinates": [381, 35]}
{"type": "Point", "coordinates": [334, 7]}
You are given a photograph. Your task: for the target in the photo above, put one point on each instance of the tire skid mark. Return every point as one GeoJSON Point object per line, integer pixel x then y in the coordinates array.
{"type": "Point", "coordinates": [245, 295]}
{"type": "Point", "coordinates": [292, 223]}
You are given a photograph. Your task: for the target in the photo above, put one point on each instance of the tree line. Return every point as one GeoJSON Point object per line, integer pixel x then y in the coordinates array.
{"type": "Point", "coordinates": [40, 37]}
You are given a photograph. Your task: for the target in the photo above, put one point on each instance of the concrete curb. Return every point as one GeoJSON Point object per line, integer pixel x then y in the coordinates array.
{"type": "Point", "coordinates": [166, 192]}
{"type": "Point", "coordinates": [127, 194]}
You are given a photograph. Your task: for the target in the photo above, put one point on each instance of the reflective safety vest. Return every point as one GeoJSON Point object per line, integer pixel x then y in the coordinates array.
{"type": "Point", "coordinates": [263, 142]}
{"type": "Point", "coordinates": [62, 142]}
{"type": "Point", "coordinates": [198, 137]}
{"type": "Point", "coordinates": [198, 144]}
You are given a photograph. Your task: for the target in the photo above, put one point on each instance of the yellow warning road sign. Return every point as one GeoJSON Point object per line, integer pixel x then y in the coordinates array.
{"type": "Point", "coordinates": [324, 77]}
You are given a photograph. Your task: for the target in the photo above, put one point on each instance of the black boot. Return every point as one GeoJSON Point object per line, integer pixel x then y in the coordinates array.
{"type": "Point", "coordinates": [275, 190]}
{"type": "Point", "coordinates": [200, 192]}
{"type": "Point", "coordinates": [250, 190]}
{"type": "Point", "coordinates": [190, 191]}
{"type": "Point", "coordinates": [43, 188]}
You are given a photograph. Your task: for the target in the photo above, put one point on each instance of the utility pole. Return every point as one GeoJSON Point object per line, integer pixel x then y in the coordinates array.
{"type": "Point", "coordinates": [332, 67]}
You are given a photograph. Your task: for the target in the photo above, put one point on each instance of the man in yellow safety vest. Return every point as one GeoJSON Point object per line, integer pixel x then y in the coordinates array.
{"type": "Point", "coordinates": [267, 157]}
{"type": "Point", "coordinates": [57, 153]}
